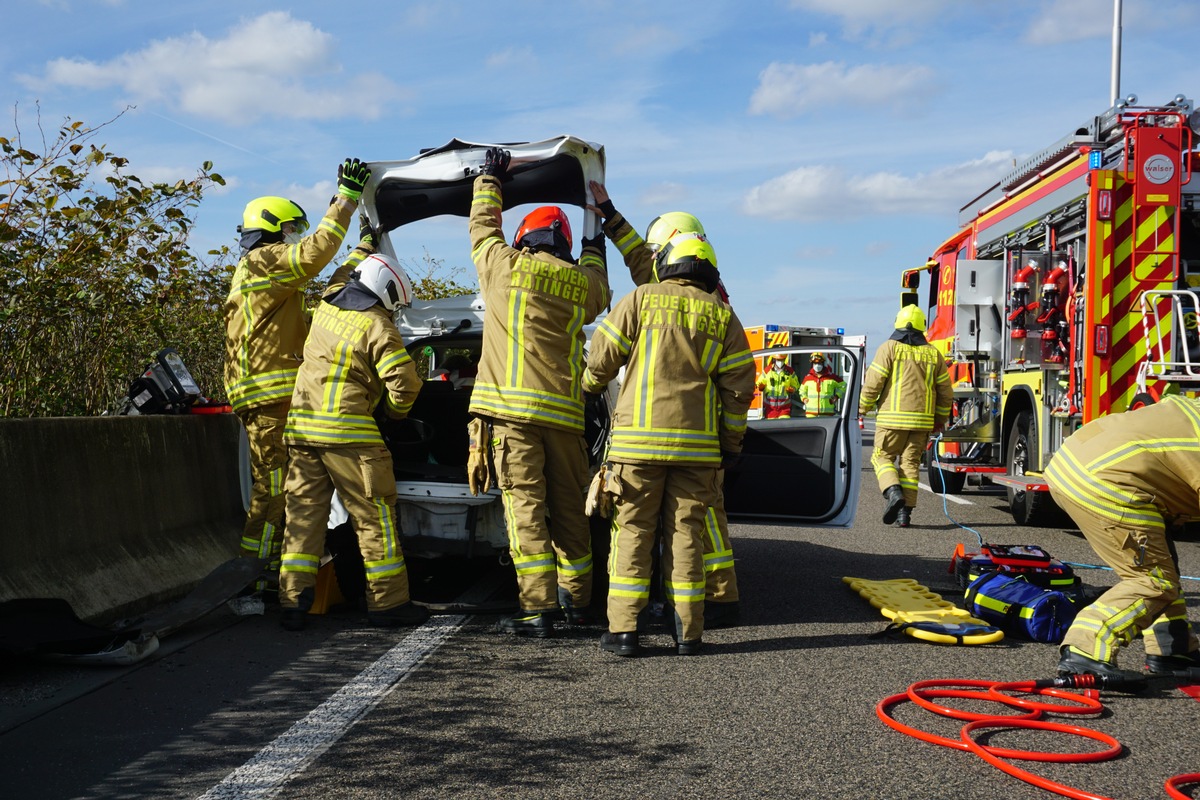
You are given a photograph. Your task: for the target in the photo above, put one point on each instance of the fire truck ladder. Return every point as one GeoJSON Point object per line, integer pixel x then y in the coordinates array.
{"type": "Point", "coordinates": [1172, 352]}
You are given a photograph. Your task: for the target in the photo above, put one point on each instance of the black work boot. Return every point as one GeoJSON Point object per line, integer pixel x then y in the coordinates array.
{"type": "Point", "coordinates": [1181, 666]}
{"type": "Point", "coordinates": [895, 501]}
{"type": "Point", "coordinates": [904, 517]}
{"type": "Point", "coordinates": [403, 615]}
{"type": "Point", "coordinates": [572, 614]}
{"type": "Point", "coordinates": [721, 615]}
{"type": "Point", "coordinates": [1071, 662]}
{"type": "Point", "coordinates": [296, 619]}
{"type": "Point", "coordinates": [623, 644]}
{"type": "Point", "coordinates": [537, 624]}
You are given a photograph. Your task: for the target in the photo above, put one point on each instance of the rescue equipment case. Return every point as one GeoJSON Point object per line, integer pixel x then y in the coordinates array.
{"type": "Point", "coordinates": [1013, 603]}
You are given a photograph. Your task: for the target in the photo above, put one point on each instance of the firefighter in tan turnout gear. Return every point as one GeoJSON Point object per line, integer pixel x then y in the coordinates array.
{"type": "Point", "coordinates": [1124, 478]}
{"type": "Point", "coordinates": [722, 601]}
{"type": "Point", "coordinates": [908, 382]}
{"type": "Point", "coordinates": [354, 357]}
{"type": "Point", "coordinates": [266, 325]}
{"type": "Point", "coordinates": [680, 414]}
{"type": "Point", "coordinates": [528, 393]}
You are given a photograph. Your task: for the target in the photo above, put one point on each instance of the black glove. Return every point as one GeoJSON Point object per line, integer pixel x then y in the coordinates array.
{"type": "Point", "coordinates": [496, 162]}
{"type": "Point", "coordinates": [368, 236]}
{"type": "Point", "coordinates": [596, 241]}
{"type": "Point", "coordinates": [352, 177]}
{"type": "Point", "coordinates": [607, 209]}
{"type": "Point", "coordinates": [730, 460]}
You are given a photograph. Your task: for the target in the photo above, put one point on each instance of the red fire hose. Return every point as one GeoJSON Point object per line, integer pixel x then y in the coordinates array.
{"type": "Point", "coordinates": [1029, 714]}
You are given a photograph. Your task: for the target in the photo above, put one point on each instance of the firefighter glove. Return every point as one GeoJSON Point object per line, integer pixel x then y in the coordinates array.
{"type": "Point", "coordinates": [479, 469]}
{"type": "Point", "coordinates": [496, 162]}
{"type": "Point", "coordinates": [730, 460]}
{"type": "Point", "coordinates": [596, 242]}
{"type": "Point", "coordinates": [352, 177]}
{"type": "Point", "coordinates": [368, 236]}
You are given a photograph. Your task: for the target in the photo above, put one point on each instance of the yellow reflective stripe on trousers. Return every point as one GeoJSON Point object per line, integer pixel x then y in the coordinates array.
{"type": "Point", "coordinates": [580, 566]}
{"type": "Point", "coordinates": [534, 563]}
{"type": "Point", "coordinates": [684, 591]}
{"type": "Point", "coordinates": [299, 562]}
{"type": "Point", "coordinates": [628, 587]}
{"type": "Point", "coordinates": [385, 568]}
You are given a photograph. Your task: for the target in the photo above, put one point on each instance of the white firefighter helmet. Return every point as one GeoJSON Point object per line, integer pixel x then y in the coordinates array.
{"type": "Point", "coordinates": [387, 280]}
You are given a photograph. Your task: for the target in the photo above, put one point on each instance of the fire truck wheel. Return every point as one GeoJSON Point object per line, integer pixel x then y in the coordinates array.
{"type": "Point", "coordinates": [1034, 509]}
{"type": "Point", "coordinates": [946, 482]}
{"type": "Point", "coordinates": [1141, 400]}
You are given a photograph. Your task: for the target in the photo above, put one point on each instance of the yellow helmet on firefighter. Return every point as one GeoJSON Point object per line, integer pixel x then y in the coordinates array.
{"type": "Point", "coordinates": [263, 220]}
{"type": "Point", "coordinates": [664, 227]}
{"type": "Point", "coordinates": [817, 358]}
{"type": "Point", "coordinates": [911, 315]}
{"type": "Point", "coordinates": [691, 257]}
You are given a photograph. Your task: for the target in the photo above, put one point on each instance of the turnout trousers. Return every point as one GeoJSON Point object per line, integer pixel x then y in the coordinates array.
{"type": "Point", "coordinates": [720, 585]}
{"type": "Point", "coordinates": [682, 498]}
{"type": "Point", "coordinates": [366, 485]}
{"type": "Point", "coordinates": [1147, 600]}
{"type": "Point", "coordinates": [543, 476]}
{"type": "Point", "coordinates": [891, 445]}
{"type": "Point", "coordinates": [262, 536]}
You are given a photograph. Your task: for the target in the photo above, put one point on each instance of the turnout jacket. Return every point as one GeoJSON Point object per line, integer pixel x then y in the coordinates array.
{"type": "Point", "coordinates": [265, 319]}
{"type": "Point", "coordinates": [689, 376]}
{"type": "Point", "coordinates": [533, 339]}
{"type": "Point", "coordinates": [633, 249]}
{"type": "Point", "coordinates": [820, 392]}
{"type": "Point", "coordinates": [351, 360]}
{"type": "Point", "coordinates": [1140, 468]}
{"type": "Point", "coordinates": [910, 385]}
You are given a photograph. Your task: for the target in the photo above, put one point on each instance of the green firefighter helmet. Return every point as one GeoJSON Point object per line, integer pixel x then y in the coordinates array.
{"type": "Point", "coordinates": [269, 213]}
{"type": "Point", "coordinates": [689, 256]}
{"type": "Point", "coordinates": [664, 227]}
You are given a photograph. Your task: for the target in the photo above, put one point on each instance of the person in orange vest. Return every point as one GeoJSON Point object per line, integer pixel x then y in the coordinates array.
{"type": "Point", "coordinates": [822, 389]}
{"type": "Point", "coordinates": [778, 385]}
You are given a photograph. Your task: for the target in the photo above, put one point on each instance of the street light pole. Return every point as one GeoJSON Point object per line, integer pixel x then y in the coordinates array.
{"type": "Point", "coordinates": [1116, 53]}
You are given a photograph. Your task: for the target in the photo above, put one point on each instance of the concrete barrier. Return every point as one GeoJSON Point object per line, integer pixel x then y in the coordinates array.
{"type": "Point", "coordinates": [117, 514]}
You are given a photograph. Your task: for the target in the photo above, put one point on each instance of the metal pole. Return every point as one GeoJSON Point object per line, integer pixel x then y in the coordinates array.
{"type": "Point", "coordinates": [1116, 53]}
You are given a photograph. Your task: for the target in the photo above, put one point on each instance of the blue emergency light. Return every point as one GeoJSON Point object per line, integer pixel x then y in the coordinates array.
{"type": "Point", "coordinates": [1095, 159]}
{"type": "Point", "coordinates": [841, 331]}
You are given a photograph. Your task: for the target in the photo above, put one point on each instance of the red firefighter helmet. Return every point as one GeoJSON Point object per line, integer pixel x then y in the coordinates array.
{"type": "Point", "coordinates": [545, 218]}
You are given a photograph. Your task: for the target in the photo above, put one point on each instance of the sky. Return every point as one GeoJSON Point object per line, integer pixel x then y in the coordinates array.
{"type": "Point", "coordinates": [826, 145]}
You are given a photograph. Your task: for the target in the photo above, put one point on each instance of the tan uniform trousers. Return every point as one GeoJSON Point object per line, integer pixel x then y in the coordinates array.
{"type": "Point", "coordinates": [681, 496]}
{"type": "Point", "coordinates": [908, 447]}
{"type": "Point", "coordinates": [1148, 599]}
{"type": "Point", "coordinates": [262, 536]}
{"type": "Point", "coordinates": [720, 584]}
{"type": "Point", "coordinates": [366, 485]}
{"type": "Point", "coordinates": [543, 475]}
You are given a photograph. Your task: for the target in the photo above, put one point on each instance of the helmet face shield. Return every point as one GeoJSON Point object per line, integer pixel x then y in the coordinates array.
{"type": "Point", "coordinates": [550, 219]}
{"type": "Point", "coordinates": [268, 214]}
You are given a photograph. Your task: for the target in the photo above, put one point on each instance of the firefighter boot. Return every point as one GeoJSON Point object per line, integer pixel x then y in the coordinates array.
{"type": "Point", "coordinates": [538, 624]}
{"type": "Point", "coordinates": [721, 615]}
{"type": "Point", "coordinates": [904, 517]}
{"type": "Point", "coordinates": [405, 614]}
{"type": "Point", "coordinates": [895, 501]}
{"type": "Point", "coordinates": [295, 619]}
{"type": "Point", "coordinates": [1072, 662]}
{"type": "Point", "coordinates": [1180, 666]}
{"type": "Point", "coordinates": [572, 614]}
{"type": "Point", "coordinates": [622, 644]}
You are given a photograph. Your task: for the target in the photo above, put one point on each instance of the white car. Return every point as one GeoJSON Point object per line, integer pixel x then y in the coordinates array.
{"type": "Point", "coordinates": [803, 471]}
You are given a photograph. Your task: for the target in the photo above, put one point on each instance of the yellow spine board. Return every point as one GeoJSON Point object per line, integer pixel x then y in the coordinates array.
{"type": "Point", "coordinates": [923, 614]}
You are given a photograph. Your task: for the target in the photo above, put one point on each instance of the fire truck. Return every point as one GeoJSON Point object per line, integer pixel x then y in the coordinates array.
{"type": "Point", "coordinates": [762, 337]}
{"type": "Point", "coordinates": [1068, 292]}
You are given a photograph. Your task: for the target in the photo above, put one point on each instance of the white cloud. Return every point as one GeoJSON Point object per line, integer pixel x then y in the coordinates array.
{"type": "Point", "coordinates": [663, 195]}
{"type": "Point", "coordinates": [273, 66]}
{"type": "Point", "coordinates": [788, 90]}
{"type": "Point", "coordinates": [827, 192]}
{"type": "Point", "coordinates": [523, 57]}
{"type": "Point", "coordinates": [860, 17]}
{"type": "Point", "coordinates": [1070, 20]}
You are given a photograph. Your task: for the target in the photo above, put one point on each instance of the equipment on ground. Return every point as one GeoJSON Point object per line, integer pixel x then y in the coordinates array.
{"type": "Point", "coordinates": [1069, 291]}
{"type": "Point", "coordinates": [923, 614]}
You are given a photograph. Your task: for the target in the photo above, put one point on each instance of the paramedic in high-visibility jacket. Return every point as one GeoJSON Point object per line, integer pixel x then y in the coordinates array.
{"type": "Point", "coordinates": [722, 599]}
{"type": "Point", "coordinates": [909, 385]}
{"type": "Point", "coordinates": [778, 385]}
{"type": "Point", "coordinates": [354, 358]}
{"type": "Point", "coordinates": [680, 414]}
{"type": "Point", "coordinates": [527, 390]}
{"type": "Point", "coordinates": [822, 389]}
{"type": "Point", "coordinates": [1125, 479]}
{"type": "Point", "coordinates": [266, 324]}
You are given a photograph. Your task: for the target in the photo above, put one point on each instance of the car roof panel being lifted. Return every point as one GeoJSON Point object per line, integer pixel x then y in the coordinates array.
{"type": "Point", "coordinates": [440, 181]}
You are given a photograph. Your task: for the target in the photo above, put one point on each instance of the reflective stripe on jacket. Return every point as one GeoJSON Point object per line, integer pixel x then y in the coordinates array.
{"type": "Point", "coordinates": [910, 385]}
{"type": "Point", "coordinates": [689, 376]}
{"type": "Point", "coordinates": [351, 360]}
{"type": "Point", "coordinates": [265, 320]}
{"type": "Point", "coordinates": [1135, 468]}
{"type": "Point", "coordinates": [821, 393]}
{"type": "Point", "coordinates": [533, 338]}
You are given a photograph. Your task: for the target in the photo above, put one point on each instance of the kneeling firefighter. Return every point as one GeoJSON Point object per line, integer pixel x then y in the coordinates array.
{"type": "Point", "coordinates": [680, 415]}
{"type": "Point", "coordinates": [354, 357]}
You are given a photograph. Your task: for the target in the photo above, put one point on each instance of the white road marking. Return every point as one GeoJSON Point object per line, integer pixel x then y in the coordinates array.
{"type": "Point", "coordinates": [962, 501]}
{"type": "Point", "coordinates": [264, 775]}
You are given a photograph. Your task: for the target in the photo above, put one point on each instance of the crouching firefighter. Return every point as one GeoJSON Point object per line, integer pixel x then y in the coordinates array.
{"type": "Point", "coordinates": [1124, 478]}
{"type": "Point", "coordinates": [354, 357]}
{"type": "Point", "coordinates": [680, 414]}
{"type": "Point", "coordinates": [527, 390]}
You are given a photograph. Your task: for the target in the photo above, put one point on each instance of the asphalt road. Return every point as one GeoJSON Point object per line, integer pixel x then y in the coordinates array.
{"type": "Point", "coordinates": [783, 706]}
